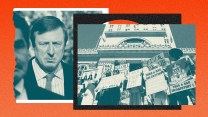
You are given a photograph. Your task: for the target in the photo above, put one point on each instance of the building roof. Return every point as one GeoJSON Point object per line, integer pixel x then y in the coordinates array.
{"type": "Point", "coordinates": [89, 34]}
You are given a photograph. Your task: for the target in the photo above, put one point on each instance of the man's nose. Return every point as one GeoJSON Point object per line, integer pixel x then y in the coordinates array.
{"type": "Point", "coordinates": [50, 50]}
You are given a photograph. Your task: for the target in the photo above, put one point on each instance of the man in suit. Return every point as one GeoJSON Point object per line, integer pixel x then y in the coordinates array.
{"type": "Point", "coordinates": [24, 89]}
{"type": "Point", "coordinates": [46, 70]}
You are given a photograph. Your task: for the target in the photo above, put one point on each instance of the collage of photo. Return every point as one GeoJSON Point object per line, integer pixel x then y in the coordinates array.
{"type": "Point", "coordinates": [96, 64]}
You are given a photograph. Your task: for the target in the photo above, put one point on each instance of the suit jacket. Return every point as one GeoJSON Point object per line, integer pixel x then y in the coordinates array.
{"type": "Point", "coordinates": [34, 92]}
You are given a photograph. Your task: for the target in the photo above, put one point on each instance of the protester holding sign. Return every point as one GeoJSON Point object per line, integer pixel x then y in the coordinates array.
{"type": "Point", "coordinates": [156, 84]}
{"type": "Point", "coordinates": [179, 78]}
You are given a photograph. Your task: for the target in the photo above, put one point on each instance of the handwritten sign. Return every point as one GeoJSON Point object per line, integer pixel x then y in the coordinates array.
{"type": "Point", "coordinates": [180, 76]}
{"type": "Point", "coordinates": [181, 86]}
{"type": "Point", "coordinates": [134, 79]}
{"type": "Point", "coordinates": [155, 81]}
{"type": "Point", "coordinates": [179, 70]}
{"type": "Point", "coordinates": [123, 68]}
{"type": "Point", "coordinates": [158, 59]}
{"type": "Point", "coordinates": [110, 82]}
{"type": "Point", "coordinates": [107, 68]}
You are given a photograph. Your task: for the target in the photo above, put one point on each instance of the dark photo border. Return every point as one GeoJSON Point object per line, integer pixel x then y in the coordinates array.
{"type": "Point", "coordinates": [103, 18]}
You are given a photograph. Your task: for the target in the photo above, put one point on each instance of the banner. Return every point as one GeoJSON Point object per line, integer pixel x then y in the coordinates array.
{"type": "Point", "coordinates": [134, 78]}
{"type": "Point", "coordinates": [155, 81]}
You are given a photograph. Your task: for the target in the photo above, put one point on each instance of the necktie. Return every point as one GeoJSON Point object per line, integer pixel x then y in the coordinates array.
{"type": "Point", "coordinates": [49, 78]}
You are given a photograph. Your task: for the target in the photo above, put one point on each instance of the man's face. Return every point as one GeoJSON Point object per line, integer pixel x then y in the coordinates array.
{"type": "Point", "coordinates": [21, 56]}
{"type": "Point", "coordinates": [49, 49]}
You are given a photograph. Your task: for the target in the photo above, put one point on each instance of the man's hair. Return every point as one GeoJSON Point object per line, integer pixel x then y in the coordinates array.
{"type": "Point", "coordinates": [19, 22]}
{"type": "Point", "coordinates": [175, 53]}
{"type": "Point", "coordinates": [46, 24]}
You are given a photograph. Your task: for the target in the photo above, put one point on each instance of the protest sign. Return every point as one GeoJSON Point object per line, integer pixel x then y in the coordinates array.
{"type": "Point", "coordinates": [155, 81]}
{"type": "Point", "coordinates": [134, 78]}
{"type": "Point", "coordinates": [181, 86]}
{"type": "Point", "coordinates": [110, 82]}
{"type": "Point", "coordinates": [180, 76]}
{"type": "Point", "coordinates": [123, 68]}
{"type": "Point", "coordinates": [158, 59]}
{"type": "Point", "coordinates": [179, 69]}
{"type": "Point", "coordinates": [107, 70]}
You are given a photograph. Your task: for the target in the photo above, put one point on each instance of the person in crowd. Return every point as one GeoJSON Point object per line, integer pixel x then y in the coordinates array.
{"type": "Point", "coordinates": [90, 76]}
{"type": "Point", "coordinates": [179, 98]}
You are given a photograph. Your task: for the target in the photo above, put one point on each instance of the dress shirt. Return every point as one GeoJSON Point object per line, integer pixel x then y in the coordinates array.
{"type": "Point", "coordinates": [57, 83]}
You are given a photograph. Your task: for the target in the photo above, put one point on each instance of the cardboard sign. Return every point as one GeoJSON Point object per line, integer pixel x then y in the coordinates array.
{"type": "Point", "coordinates": [123, 68]}
{"type": "Point", "coordinates": [157, 60]}
{"type": "Point", "coordinates": [181, 86]}
{"type": "Point", "coordinates": [134, 79]}
{"type": "Point", "coordinates": [110, 82]}
{"type": "Point", "coordinates": [155, 81]}
{"type": "Point", "coordinates": [107, 69]}
{"type": "Point", "coordinates": [180, 77]}
{"type": "Point", "coordinates": [179, 70]}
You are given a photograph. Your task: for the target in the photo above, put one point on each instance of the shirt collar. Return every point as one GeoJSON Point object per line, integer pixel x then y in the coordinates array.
{"type": "Point", "coordinates": [41, 74]}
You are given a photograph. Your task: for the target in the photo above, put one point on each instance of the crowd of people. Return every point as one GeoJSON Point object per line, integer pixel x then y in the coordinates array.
{"type": "Point", "coordinates": [120, 94]}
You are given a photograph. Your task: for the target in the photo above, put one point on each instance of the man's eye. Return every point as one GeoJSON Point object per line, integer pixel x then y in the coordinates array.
{"type": "Point", "coordinates": [43, 43]}
{"type": "Point", "coordinates": [57, 43]}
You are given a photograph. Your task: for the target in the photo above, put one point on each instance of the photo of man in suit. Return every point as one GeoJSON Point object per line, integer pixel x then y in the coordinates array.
{"type": "Point", "coordinates": [46, 70]}
{"type": "Point", "coordinates": [24, 87]}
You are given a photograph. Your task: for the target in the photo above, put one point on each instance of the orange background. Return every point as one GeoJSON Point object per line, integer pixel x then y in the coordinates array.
{"type": "Point", "coordinates": [192, 11]}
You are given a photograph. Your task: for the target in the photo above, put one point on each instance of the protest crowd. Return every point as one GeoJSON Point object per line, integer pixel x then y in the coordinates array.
{"type": "Point", "coordinates": [158, 81]}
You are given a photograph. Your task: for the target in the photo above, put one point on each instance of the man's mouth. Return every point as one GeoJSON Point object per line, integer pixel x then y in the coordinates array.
{"type": "Point", "coordinates": [50, 60]}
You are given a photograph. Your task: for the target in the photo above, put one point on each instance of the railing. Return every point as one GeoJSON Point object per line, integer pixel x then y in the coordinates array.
{"type": "Point", "coordinates": [87, 51]}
